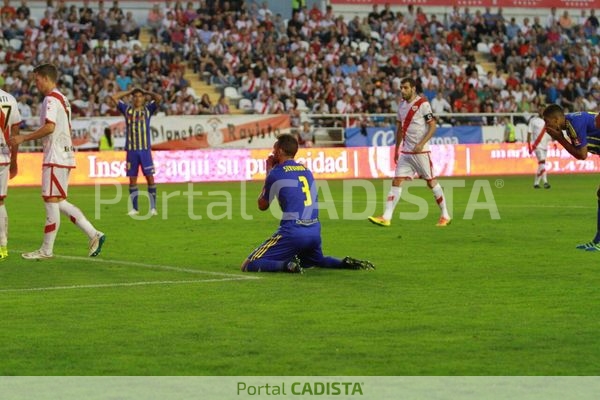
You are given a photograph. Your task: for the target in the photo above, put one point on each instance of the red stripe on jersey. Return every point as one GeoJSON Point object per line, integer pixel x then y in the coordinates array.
{"type": "Point", "coordinates": [3, 126]}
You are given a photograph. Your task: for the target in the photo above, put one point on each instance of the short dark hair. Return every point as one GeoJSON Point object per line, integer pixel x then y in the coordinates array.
{"type": "Point", "coordinates": [137, 90]}
{"type": "Point", "coordinates": [48, 70]}
{"type": "Point", "coordinates": [410, 81]}
{"type": "Point", "coordinates": [553, 110]}
{"type": "Point", "coordinates": [288, 144]}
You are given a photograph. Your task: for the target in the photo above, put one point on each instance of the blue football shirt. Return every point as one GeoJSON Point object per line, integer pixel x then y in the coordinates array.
{"type": "Point", "coordinates": [137, 123]}
{"type": "Point", "coordinates": [295, 188]}
{"type": "Point", "coordinates": [581, 129]}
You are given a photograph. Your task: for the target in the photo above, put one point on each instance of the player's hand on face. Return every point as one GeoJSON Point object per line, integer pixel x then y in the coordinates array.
{"type": "Point", "coordinates": [271, 161]}
{"type": "Point", "coordinates": [554, 132]}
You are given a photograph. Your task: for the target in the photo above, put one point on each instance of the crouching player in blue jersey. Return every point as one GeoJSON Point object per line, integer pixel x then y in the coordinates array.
{"type": "Point", "coordinates": [297, 242]}
{"type": "Point", "coordinates": [582, 137]}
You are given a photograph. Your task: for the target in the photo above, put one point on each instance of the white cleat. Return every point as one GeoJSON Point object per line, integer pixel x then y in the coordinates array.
{"type": "Point", "coordinates": [133, 212]}
{"type": "Point", "coordinates": [96, 244]}
{"type": "Point", "coordinates": [153, 212]}
{"type": "Point", "coordinates": [37, 255]}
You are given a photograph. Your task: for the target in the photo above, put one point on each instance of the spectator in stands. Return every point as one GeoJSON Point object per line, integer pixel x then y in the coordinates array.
{"type": "Point", "coordinates": [306, 134]}
{"type": "Point", "coordinates": [24, 8]}
{"type": "Point", "coordinates": [261, 103]}
{"type": "Point", "coordinates": [551, 19]}
{"type": "Point", "coordinates": [205, 105]}
{"type": "Point", "coordinates": [566, 23]}
{"type": "Point", "coordinates": [130, 26]}
{"type": "Point", "coordinates": [155, 18]}
{"type": "Point", "coordinates": [24, 106]}
{"type": "Point", "coordinates": [440, 105]}
{"type": "Point", "coordinates": [222, 106]}
{"type": "Point", "coordinates": [123, 80]}
{"type": "Point", "coordinates": [276, 106]}
{"type": "Point", "coordinates": [250, 85]}
{"type": "Point", "coordinates": [8, 11]}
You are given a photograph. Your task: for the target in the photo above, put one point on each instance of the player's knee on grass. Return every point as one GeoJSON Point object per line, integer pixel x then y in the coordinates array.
{"type": "Point", "coordinates": [244, 265]}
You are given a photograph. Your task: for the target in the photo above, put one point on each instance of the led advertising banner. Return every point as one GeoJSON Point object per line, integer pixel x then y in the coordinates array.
{"type": "Point", "coordinates": [214, 165]}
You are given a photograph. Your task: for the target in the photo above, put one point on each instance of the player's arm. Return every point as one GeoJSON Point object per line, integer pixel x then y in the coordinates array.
{"type": "Point", "coordinates": [398, 139]}
{"type": "Point", "coordinates": [263, 199]}
{"type": "Point", "coordinates": [529, 142]}
{"type": "Point", "coordinates": [431, 126]}
{"type": "Point", "coordinates": [42, 131]}
{"type": "Point", "coordinates": [14, 151]}
{"type": "Point", "coordinates": [155, 96]}
{"type": "Point", "coordinates": [119, 95]}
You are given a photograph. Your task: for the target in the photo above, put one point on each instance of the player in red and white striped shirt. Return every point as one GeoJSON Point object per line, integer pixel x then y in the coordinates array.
{"type": "Point", "coordinates": [59, 159]}
{"type": "Point", "coordinates": [414, 127]}
{"type": "Point", "coordinates": [10, 118]}
{"type": "Point", "coordinates": [538, 140]}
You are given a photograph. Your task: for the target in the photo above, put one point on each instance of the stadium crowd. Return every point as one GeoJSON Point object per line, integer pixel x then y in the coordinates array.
{"type": "Point", "coordinates": [313, 61]}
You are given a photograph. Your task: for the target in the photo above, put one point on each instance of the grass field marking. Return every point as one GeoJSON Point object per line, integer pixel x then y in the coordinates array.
{"type": "Point", "coordinates": [224, 277]}
{"type": "Point", "coordinates": [154, 266]}
{"type": "Point", "coordinates": [123, 284]}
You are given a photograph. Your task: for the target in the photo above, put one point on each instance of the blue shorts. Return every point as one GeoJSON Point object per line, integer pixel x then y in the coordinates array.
{"type": "Point", "coordinates": [283, 245]}
{"type": "Point", "coordinates": [135, 158]}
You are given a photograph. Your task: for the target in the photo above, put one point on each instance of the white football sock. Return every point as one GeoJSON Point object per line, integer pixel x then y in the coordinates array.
{"type": "Point", "coordinates": [3, 225]}
{"type": "Point", "coordinates": [77, 217]}
{"type": "Point", "coordinates": [441, 200]}
{"type": "Point", "coordinates": [541, 173]}
{"type": "Point", "coordinates": [392, 200]}
{"type": "Point", "coordinates": [51, 226]}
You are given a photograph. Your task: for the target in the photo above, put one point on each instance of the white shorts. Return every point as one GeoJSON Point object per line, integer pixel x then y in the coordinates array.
{"type": "Point", "coordinates": [418, 164]}
{"type": "Point", "coordinates": [4, 175]}
{"type": "Point", "coordinates": [541, 154]}
{"type": "Point", "coordinates": [55, 181]}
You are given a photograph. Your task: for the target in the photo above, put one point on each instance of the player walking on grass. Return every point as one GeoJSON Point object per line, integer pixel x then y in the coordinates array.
{"type": "Point", "coordinates": [415, 125]}
{"type": "Point", "coordinates": [137, 142]}
{"type": "Point", "coordinates": [297, 242]}
{"type": "Point", "coordinates": [582, 137]}
{"type": "Point", "coordinates": [59, 159]}
{"type": "Point", "coordinates": [537, 140]}
{"type": "Point", "coordinates": [10, 119]}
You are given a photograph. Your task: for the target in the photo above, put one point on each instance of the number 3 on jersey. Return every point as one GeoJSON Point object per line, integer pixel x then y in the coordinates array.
{"type": "Point", "coordinates": [305, 190]}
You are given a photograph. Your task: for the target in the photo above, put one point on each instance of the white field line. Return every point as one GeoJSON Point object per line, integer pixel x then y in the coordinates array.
{"type": "Point", "coordinates": [114, 285]}
{"type": "Point", "coordinates": [218, 276]}
{"type": "Point", "coordinates": [153, 266]}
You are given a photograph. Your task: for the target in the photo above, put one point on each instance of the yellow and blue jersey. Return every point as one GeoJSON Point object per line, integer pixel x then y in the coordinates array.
{"type": "Point", "coordinates": [137, 123]}
{"type": "Point", "coordinates": [295, 188]}
{"type": "Point", "coordinates": [582, 130]}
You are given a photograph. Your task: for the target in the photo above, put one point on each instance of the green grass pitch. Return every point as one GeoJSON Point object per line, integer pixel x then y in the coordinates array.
{"type": "Point", "coordinates": [508, 296]}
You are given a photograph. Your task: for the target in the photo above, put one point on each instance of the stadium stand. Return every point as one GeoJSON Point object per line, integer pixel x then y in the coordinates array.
{"type": "Point", "coordinates": [312, 61]}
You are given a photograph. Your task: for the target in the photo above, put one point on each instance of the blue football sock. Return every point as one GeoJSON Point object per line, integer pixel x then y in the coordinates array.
{"type": "Point", "coordinates": [330, 262]}
{"type": "Point", "coordinates": [597, 238]}
{"type": "Point", "coordinates": [133, 195]}
{"type": "Point", "coordinates": [152, 193]}
{"type": "Point", "coordinates": [265, 265]}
